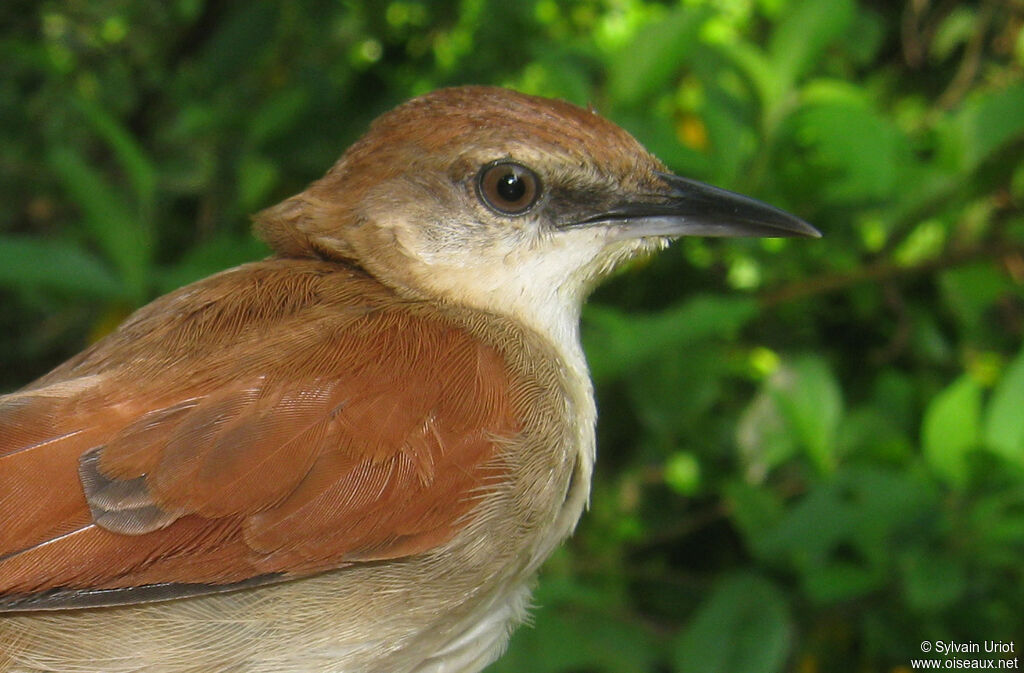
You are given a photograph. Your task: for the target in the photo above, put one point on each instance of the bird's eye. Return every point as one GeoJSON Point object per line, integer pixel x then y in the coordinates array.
{"type": "Point", "coordinates": [507, 187]}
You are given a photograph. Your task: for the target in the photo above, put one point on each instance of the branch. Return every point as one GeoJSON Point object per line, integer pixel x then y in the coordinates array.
{"type": "Point", "coordinates": [885, 270]}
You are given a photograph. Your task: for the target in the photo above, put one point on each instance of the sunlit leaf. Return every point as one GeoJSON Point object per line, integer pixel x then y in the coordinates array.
{"type": "Point", "coordinates": [732, 133]}
{"type": "Point", "coordinates": [985, 124]}
{"type": "Point", "coordinates": [682, 472]}
{"type": "Point", "coordinates": [829, 91]}
{"type": "Point", "coordinates": [754, 66]}
{"type": "Point", "coordinates": [804, 32]}
{"type": "Point", "coordinates": [860, 152]}
{"type": "Point", "coordinates": [1004, 418]}
{"type": "Point", "coordinates": [955, 30]}
{"type": "Point", "coordinates": [763, 436]}
{"type": "Point", "coordinates": [655, 55]}
{"type": "Point", "coordinates": [925, 241]}
{"type": "Point", "coordinates": [951, 429]}
{"type": "Point", "coordinates": [810, 400]}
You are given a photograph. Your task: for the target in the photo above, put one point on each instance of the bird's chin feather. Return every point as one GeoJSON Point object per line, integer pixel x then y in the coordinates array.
{"type": "Point", "coordinates": [624, 250]}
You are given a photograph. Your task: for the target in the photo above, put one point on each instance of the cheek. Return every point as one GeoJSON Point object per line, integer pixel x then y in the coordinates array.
{"type": "Point", "coordinates": [554, 257]}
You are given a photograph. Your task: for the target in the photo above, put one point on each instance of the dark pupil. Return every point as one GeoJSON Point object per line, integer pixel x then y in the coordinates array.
{"type": "Point", "coordinates": [511, 187]}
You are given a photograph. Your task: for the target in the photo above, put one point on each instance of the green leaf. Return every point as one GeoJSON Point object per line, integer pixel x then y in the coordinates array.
{"type": "Point", "coordinates": [617, 342]}
{"type": "Point", "coordinates": [277, 115]}
{"type": "Point", "coordinates": [838, 536]}
{"type": "Point", "coordinates": [655, 56]}
{"type": "Point", "coordinates": [240, 40]}
{"type": "Point", "coordinates": [27, 53]}
{"type": "Point", "coordinates": [576, 634]}
{"type": "Point", "coordinates": [27, 263]}
{"type": "Point", "coordinates": [732, 133]}
{"type": "Point", "coordinates": [986, 124]}
{"type": "Point", "coordinates": [951, 429]}
{"type": "Point", "coordinates": [111, 221]}
{"type": "Point", "coordinates": [756, 511]}
{"type": "Point", "coordinates": [996, 522]}
{"type": "Point", "coordinates": [838, 92]}
{"type": "Point", "coordinates": [955, 30]}
{"type": "Point", "coordinates": [682, 473]}
{"type": "Point", "coordinates": [1004, 419]}
{"type": "Point", "coordinates": [925, 241]}
{"type": "Point", "coordinates": [810, 400]}
{"type": "Point", "coordinates": [743, 627]}
{"type": "Point", "coordinates": [257, 175]}
{"type": "Point", "coordinates": [839, 581]}
{"type": "Point", "coordinates": [864, 37]}
{"type": "Point", "coordinates": [972, 290]}
{"type": "Point", "coordinates": [667, 408]}
{"type": "Point", "coordinates": [871, 432]}
{"type": "Point", "coordinates": [803, 34]}
{"type": "Point", "coordinates": [858, 153]}
{"type": "Point", "coordinates": [932, 581]}
{"type": "Point", "coordinates": [753, 65]}
{"type": "Point", "coordinates": [763, 436]}
{"type": "Point", "coordinates": [658, 134]}
{"type": "Point", "coordinates": [130, 155]}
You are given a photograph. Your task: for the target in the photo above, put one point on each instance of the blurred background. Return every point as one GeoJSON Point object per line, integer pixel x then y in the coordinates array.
{"type": "Point", "coordinates": [811, 452]}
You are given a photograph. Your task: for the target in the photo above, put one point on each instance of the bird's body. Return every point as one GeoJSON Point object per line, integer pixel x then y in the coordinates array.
{"type": "Point", "coordinates": [352, 456]}
{"type": "Point", "coordinates": [516, 404]}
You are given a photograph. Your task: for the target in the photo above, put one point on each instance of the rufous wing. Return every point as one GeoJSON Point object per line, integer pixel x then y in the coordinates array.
{"type": "Point", "coordinates": [371, 435]}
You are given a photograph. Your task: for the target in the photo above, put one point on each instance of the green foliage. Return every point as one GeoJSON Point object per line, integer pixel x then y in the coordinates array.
{"type": "Point", "coordinates": [950, 431]}
{"type": "Point", "coordinates": [604, 640]}
{"type": "Point", "coordinates": [1004, 422]}
{"type": "Point", "coordinates": [743, 626]}
{"type": "Point", "coordinates": [811, 452]}
{"type": "Point", "coordinates": [618, 342]}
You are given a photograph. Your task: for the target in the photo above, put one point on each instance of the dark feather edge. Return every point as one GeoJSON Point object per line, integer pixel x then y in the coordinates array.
{"type": "Point", "coordinates": [80, 599]}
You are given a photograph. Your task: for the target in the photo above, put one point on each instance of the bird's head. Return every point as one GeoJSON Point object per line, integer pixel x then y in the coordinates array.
{"type": "Point", "coordinates": [504, 202]}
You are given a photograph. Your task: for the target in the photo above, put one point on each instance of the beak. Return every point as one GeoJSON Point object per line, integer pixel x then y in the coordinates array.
{"type": "Point", "coordinates": [691, 208]}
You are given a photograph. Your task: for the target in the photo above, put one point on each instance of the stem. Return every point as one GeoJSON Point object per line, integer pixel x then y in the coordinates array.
{"type": "Point", "coordinates": [1013, 254]}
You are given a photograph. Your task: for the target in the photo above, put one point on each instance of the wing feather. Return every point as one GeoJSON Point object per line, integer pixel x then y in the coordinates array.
{"type": "Point", "coordinates": [343, 426]}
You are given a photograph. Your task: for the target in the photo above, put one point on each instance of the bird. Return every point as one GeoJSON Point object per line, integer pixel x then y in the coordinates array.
{"type": "Point", "coordinates": [354, 455]}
